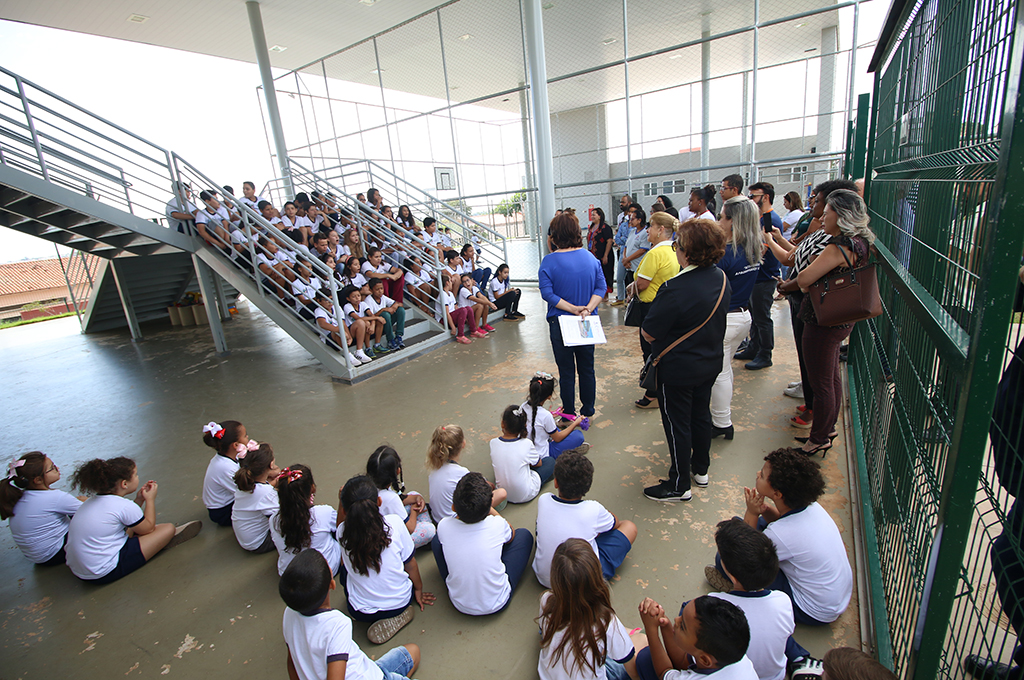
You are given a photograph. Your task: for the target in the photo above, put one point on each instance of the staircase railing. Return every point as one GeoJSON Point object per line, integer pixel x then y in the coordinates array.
{"type": "Point", "coordinates": [357, 176]}
{"type": "Point", "coordinates": [79, 274]}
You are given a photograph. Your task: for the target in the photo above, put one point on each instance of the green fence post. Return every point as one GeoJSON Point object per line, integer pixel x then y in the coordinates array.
{"type": "Point", "coordinates": [860, 138]}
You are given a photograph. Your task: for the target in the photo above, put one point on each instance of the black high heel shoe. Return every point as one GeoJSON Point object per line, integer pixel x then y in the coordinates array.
{"type": "Point", "coordinates": [822, 449]}
{"type": "Point", "coordinates": [804, 440]}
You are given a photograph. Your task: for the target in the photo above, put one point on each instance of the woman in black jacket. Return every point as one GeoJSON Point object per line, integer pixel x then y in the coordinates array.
{"type": "Point", "coordinates": [696, 299]}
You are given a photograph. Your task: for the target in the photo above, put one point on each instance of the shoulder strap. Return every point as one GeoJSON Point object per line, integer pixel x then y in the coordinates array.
{"type": "Point", "coordinates": [668, 349]}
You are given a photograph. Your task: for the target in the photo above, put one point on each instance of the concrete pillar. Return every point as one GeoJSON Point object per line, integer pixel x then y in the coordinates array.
{"type": "Point", "coordinates": [259, 42]}
{"type": "Point", "coordinates": [530, 221]}
{"type": "Point", "coordinates": [826, 87]}
{"type": "Point", "coordinates": [534, 26]}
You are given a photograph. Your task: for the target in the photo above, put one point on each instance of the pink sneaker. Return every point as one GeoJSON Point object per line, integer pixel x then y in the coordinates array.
{"type": "Point", "coordinates": [463, 339]}
{"type": "Point", "coordinates": [488, 327]}
{"type": "Point", "coordinates": [478, 334]}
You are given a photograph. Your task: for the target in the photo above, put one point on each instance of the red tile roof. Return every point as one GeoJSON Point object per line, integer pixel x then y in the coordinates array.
{"type": "Point", "coordinates": [22, 277]}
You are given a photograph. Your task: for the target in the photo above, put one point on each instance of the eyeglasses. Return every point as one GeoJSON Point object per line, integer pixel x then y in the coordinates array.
{"type": "Point", "coordinates": [53, 467]}
{"type": "Point", "coordinates": [675, 246]}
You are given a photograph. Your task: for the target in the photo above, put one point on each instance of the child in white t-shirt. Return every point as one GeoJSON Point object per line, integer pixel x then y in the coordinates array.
{"type": "Point", "coordinates": [385, 469]}
{"type": "Point", "coordinates": [228, 439]}
{"type": "Point", "coordinates": [299, 524]}
{"type": "Point", "coordinates": [517, 467]}
{"type": "Point", "coordinates": [380, 574]}
{"type": "Point", "coordinates": [391, 315]}
{"type": "Point", "coordinates": [255, 499]}
{"type": "Point", "coordinates": [577, 586]}
{"type": "Point", "coordinates": [319, 638]}
{"type": "Point", "coordinates": [39, 516]}
{"type": "Point", "coordinates": [470, 296]}
{"type": "Point", "coordinates": [547, 439]}
{"type": "Point", "coordinates": [111, 536]}
{"type": "Point", "coordinates": [479, 555]}
{"type": "Point", "coordinates": [419, 282]}
{"type": "Point", "coordinates": [504, 296]}
{"type": "Point", "coordinates": [455, 317]}
{"type": "Point", "coordinates": [297, 227]}
{"type": "Point", "coordinates": [567, 515]}
{"type": "Point", "coordinates": [446, 446]}
{"type": "Point", "coordinates": [744, 569]}
{"type": "Point", "coordinates": [813, 567]}
{"type": "Point", "coordinates": [351, 276]}
{"type": "Point", "coordinates": [359, 328]}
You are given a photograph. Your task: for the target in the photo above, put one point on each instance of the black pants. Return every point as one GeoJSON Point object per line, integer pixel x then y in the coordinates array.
{"type": "Point", "coordinates": [686, 417]}
{"type": "Point", "coordinates": [762, 331]}
{"type": "Point", "coordinates": [645, 347]}
{"type": "Point", "coordinates": [795, 300]}
{"type": "Point", "coordinates": [509, 301]}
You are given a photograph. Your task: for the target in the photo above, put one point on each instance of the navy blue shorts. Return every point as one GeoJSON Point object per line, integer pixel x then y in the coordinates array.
{"type": "Point", "coordinates": [612, 548]}
{"type": "Point", "coordinates": [60, 558]}
{"type": "Point", "coordinates": [221, 516]}
{"type": "Point", "coordinates": [128, 560]}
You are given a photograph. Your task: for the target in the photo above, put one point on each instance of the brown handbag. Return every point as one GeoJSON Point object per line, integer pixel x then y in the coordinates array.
{"type": "Point", "coordinates": [846, 296]}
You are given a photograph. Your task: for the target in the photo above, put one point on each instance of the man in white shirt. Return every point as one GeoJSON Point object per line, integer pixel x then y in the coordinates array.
{"type": "Point", "coordinates": [213, 222]}
{"type": "Point", "coordinates": [179, 210]}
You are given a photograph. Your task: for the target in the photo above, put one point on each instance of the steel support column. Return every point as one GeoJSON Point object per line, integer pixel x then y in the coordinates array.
{"type": "Point", "coordinates": [705, 97]}
{"type": "Point", "coordinates": [259, 42]}
{"type": "Point", "coordinates": [209, 290]}
{"type": "Point", "coordinates": [126, 300]}
{"type": "Point", "coordinates": [543, 157]}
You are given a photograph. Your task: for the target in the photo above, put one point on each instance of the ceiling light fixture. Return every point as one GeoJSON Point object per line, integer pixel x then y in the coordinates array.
{"type": "Point", "coordinates": [675, 56]}
{"type": "Point", "coordinates": [376, 71]}
{"type": "Point", "coordinates": [277, 48]}
{"type": "Point", "coordinates": [465, 36]}
{"type": "Point", "coordinates": [801, 24]}
{"type": "Point", "coordinates": [137, 18]}
{"type": "Point", "coordinates": [547, 5]}
{"type": "Point", "coordinates": [812, 49]}
{"type": "Point", "coordinates": [367, 2]}
{"type": "Point", "coordinates": [609, 41]}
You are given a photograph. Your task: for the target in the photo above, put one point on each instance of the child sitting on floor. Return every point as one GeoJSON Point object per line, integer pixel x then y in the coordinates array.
{"type": "Point", "coordinates": [547, 439]}
{"type": "Point", "coordinates": [319, 638]}
{"type": "Point", "coordinates": [517, 467]}
{"type": "Point", "coordinates": [745, 567]}
{"type": "Point", "coordinates": [299, 524]}
{"type": "Point", "coordinates": [480, 557]}
{"type": "Point", "coordinates": [385, 469]}
{"type": "Point", "coordinates": [567, 515]}
{"type": "Point", "coordinates": [708, 638]}
{"type": "Point", "coordinates": [228, 440]}
{"type": "Point", "coordinates": [39, 516]}
{"type": "Point", "coordinates": [446, 446]}
{"type": "Point", "coordinates": [813, 567]}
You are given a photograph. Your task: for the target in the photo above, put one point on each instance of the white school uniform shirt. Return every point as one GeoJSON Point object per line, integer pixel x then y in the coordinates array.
{"type": "Point", "coordinates": [445, 303]}
{"type": "Point", "coordinates": [512, 459]}
{"type": "Point", "coordinates": [254, 203]}
{"type": "Point", "coordinates": [348, 310]}
{"type": "Point", "coordinates": [431, 239]}
{"type": "Point", "coordinates": [558, 520]}
{"type": "Point", "coordinates": [174, 205]}
{"type": "Point", "coordinates": [204, 216]}
{"type": "Point", "coordinates": [284, 256]}
{"type": "Point", "coordinates": [321, 313]}
{"type": "Point", "coordinates": [383, 268]}
{"type": "Point", "coordinates": [306, 288]}
{"type": "Point", "coordinates": [496, 288]}
{"type": "Point", "coordinates": [40, 522]}
{"type": "Point", "coordinates": [545, 425]}
{"type": "Point", "coordinates": [251, 513]}
{"type": "Point", "coordinates": [477, 582]}
{"type": "Point", "coordinates": [813, 557]}
{"type": "Point", "coordinates": [97, 534]}
{"type": "Point", "coordinates": [238, 237]}
{"type": "Point", "coordinates": [741, 670]}
{"type": "Point", "coordinates": [261, 259]}
{"type": "Point", "coordinates": [219, 483]}
{"type": "Point", "coordinates": [300, 221]}
{"type": "Point", "coordinates": [323, 521]}
{"type": "Point", "coordinates": [616, 645]}
{"type": "Point", "coordinates": [442, 483]}
{"type": "Point", "coordinates": [375, 306]}
{"type": "Point", "coordinates": [389, 588]}
{"type": "Point", "coordinates": [464, 294]}
{"type": "Point", "coordinates": [770, 613]}
{"type": "Point", "coordinates": [322, 637]}
{"type": "Point", "coordinates": [358, 280]}
{"type": "Point", "coordinates": [414, 280]}
{"type": "Point", "coordinates": [391, 504]}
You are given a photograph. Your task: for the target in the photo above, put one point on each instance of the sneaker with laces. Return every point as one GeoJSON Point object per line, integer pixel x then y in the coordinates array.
{"type": "Point", "coordinates": [796, 392]}
{"type": "Point", "coordinates": [663, 492]}
{"type": "Point", "coordinates": [701, 480]}
{"type": "Point", "coordinates": [368, 351]}
{"type": "Point", "coordinates": [807, 668]}
{"type": "Point", "coordinates": [362, 356]}
{"type": "Point", "coordinates": [488, 327]}
{"type": "Point", "coordinates": [354, 360]}
{"type": "Point", "coordinates": [794, 383]}
{"type": "Point", "coordinates": [581, 449]}
{"type": "Point", "coordinates": [385, 629]}
{"type": "Point", "coordinates": [719, 583]}
{"type": "Point", "coordinates": [185, 532]}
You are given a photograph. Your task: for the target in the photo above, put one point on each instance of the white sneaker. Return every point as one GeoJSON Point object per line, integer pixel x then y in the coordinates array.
{"type": "Point", "coordinates": [353, 360]}
{"type": "Point", "coordinates": [361, 355]}
{"type": "Point", "coordinates": [796, 391]}
{"type": "Point", "coordinates": [701, 480]}
{"type": "Point", "coordinates": [794, 383]}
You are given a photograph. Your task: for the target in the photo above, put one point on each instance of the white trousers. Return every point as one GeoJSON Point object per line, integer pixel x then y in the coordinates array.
{"type": "Point", "coordinates": [737, 325]}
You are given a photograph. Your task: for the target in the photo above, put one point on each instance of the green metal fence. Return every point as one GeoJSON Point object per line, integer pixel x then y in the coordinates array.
{"type": "Point", "coordinates": [945, 192]}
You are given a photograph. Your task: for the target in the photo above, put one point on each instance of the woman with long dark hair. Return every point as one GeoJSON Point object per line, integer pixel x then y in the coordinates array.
{"type": "Point", "coordinates": [600, 239]}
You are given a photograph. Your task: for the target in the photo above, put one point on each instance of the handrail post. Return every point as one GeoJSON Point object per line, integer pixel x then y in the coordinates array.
{"type": "Point", "coordinates": [32, 127]}
{"type": "Point", "coordinates": [339, 319]}
{"type": "Point", "coordinates": [67, 280]}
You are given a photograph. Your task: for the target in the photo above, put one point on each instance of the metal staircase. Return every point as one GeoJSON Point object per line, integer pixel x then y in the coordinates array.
{"type": "Point", "coordinates": [83, 182]}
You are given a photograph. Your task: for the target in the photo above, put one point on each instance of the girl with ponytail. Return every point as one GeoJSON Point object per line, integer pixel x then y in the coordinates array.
{"type": "Point", "coordinates": [547, 439]}
{"type": "Point", "coordinates": [111, 536]}
{"type": "Point", "coordinates": [446, 446]}
{"type": "Point", "coordinates": [702, 203]}
{"type": "Point", "coordinates": [380, 576]}
{"type": "Point", "coordinates": [39, 515]}
{"type": "Point", "coordinates": [385, 469]}
{"type": "Point", "coordinates": [517, 467]}
{"type": "Point", "coordinates": [255, 499]}
{"type": "Point", "coordinates": [299, 524]}
{"type": "Point", "coordinates": [228, 439]}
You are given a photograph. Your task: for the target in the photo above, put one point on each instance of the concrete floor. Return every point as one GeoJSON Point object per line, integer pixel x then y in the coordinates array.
{"type": "Point", "coordinates": [207, 608]}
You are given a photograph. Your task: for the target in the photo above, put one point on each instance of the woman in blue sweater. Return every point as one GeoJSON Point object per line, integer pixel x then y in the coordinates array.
{"type": "Point", "coordinates": [571, 282]}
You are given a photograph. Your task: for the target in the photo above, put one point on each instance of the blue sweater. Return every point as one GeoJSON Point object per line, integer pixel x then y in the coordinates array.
{"type": "Point", "coordinates": [573, 276]}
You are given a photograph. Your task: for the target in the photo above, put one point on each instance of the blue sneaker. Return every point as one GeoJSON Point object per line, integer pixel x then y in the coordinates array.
{"type": "Point", "coordinates": [400, 341]}
{"type": "Point", "coordinates": [369, 352]}
{"type": "Point", "coordinates": [393, 344]}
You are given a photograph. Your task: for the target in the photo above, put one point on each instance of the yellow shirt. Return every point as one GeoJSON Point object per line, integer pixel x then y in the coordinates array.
{"type": "Point", "coordinates": [659, 265]}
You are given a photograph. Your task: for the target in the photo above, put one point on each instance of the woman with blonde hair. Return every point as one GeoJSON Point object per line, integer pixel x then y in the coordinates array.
{"type": "Point", "coordinates": [743, 255]}
{"type": "Point", "coordinates": [658, 266]}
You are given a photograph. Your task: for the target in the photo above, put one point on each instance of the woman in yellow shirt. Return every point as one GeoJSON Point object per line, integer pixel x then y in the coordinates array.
{"type": "Point", "coordinates": [658, 266]}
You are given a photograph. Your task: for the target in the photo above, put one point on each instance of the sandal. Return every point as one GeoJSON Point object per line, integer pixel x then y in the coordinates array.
{"type": "Point", "coordinates": [804, 440]}
{"type": "Point", "coordinates": [644, 402]}
{"type": "Point", "coordinates": [821, 448]}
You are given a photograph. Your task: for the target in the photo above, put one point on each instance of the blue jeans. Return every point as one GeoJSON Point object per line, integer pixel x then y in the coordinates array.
{"type": "Point", "coordinates": [515, 555]}
{"type": "Point", "coordinates": [397, 663]}
{"type": "Point", "coordinates": [546, 469]}
{"type": "Point", "coordinates": [482, 276]}
{"type": "Point", "coordinates": [572, 361]}
{"type": "Point", "coordinates": [571, 441]}
{"type": "Point", "coordinates": [620, 279]}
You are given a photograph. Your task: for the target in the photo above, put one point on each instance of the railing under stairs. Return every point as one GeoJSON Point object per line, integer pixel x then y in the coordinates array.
{"type": "Point", "coordinates": [79, 269]}
{"type": "Point", "coordinates": [106, 191]}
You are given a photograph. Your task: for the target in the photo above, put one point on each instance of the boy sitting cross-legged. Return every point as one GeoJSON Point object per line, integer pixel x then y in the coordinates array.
{"type": "Point", "coordinates": [708, 638]}
{"type": "Point", "coordinates": [319, 638]}
{"type": "Point", "coordinates": [567, 515]}
{"type": "Point", "coordinates": [480, 557]}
